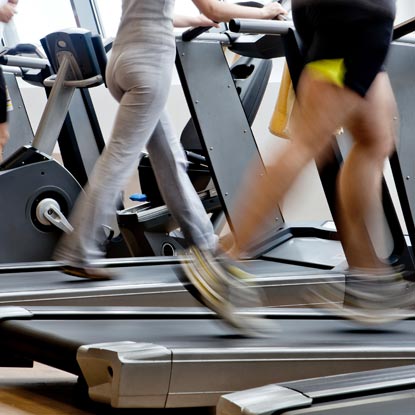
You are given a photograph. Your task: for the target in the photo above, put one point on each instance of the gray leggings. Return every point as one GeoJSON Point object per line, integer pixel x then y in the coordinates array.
{"type": "Point", "coordinates": [139, 78]}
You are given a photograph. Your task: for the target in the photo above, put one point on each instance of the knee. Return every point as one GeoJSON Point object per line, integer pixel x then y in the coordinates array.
{"type": "Point", "coordinates": [380, 142]}
{"type": "Point", "coordinates": [388, 146]}
{"type": "Point", "coordinates": [378, 150]}
{"type": "Point", "coordinates": [385, 143]}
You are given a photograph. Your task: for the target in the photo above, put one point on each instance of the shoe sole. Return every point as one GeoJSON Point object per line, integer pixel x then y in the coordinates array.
{"type": "Point", "coordinates": [86, 274]}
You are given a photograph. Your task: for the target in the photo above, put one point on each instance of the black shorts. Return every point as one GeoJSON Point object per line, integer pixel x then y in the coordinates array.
{"type": "Point", "coordinates": [341, 31]}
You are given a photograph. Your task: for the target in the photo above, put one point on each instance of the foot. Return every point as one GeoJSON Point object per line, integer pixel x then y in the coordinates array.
{"type": "Point", "coordinates": [371, 298]}
{"type": "Point", "coordinates": [221, 285]}
{"type": "Point", "coordinates": [91, 273]}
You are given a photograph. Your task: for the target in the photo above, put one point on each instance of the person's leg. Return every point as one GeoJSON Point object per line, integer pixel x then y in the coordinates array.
{"type": "Point", "coordinates": [146, 89]}
{"type": "Point", "coordinates": [4, 137]}
{"type": "Point", "coordinates": [320, 109]}
{"type": "Point", "coordinates": [375, 292]}
{"type": "Point", "coordinates": [170, 168]}
{"type": "Point", "coordinates": [4, 126]}
{"type": "Point", "coordinates": [374, 129]}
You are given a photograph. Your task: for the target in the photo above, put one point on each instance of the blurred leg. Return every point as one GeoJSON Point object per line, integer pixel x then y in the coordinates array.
{"type": "Point", "coordinates": [359, 188]}
{"type": "Point", "coordinates": [4, 127]}
{"type": "Point", "coordinates": [170, 168]}
{"type": "Point", "coordinates": [4, 137]}
{"type": "Point", "coordinates": [320, 109]}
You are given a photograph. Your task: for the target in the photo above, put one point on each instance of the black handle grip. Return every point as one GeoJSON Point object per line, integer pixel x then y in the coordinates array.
{"type": "Point", "coordinates": [235, 25]}
{"type": "Point", "coordinates": [23, 48]}
{"type": "Point", "coordinates": [194, 32]}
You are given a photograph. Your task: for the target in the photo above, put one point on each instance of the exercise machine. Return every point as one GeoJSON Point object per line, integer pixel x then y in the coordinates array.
{"type": "Point", "coordinates": [176, 357]}
{"type": "Point", "coordinates": [376, 392]}
{"type": "Point", "coordinates": [226, 129]}
{"type": "Point", "coordinates": [285, 283]}
{"type": "Point", "coordinates": [164, 358]}
{"type": "Point", "coordinates": [80, 138]}
{"type": "Point", "coordinates": [399, 252]}
{"type": "Point", "coordinates": [149, 281]}
{"type": "Point", "coordinates": [146, 281]}
{"type": "Point", "coordinates": [208, 84]}
{"type": "Point", "coordinates": [149, 228]}
{"type": "Point", "coordinates": [38, 191]}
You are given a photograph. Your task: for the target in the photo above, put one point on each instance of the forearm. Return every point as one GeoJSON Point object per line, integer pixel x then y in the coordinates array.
{"type": "Point", "coordinates": [194, 21]}
{"type": "Point", "coordinates": [7, 11]}
{"type": "Point", "coordinates": [223, 12]}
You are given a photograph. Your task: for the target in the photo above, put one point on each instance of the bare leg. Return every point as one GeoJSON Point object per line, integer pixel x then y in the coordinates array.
{"type": "Point", "coordinates": [4, 137]}
{"type": "Point", "coordinates": [320, 109]}
{"type": "Point", "coordinates": [359, 189]}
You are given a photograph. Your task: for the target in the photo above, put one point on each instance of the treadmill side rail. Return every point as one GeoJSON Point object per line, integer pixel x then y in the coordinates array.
{"type": "Point", "coordinates": [370, 389]}
{"type": "Point", "coordinates": [265, 400]}
{"type": "Point", "coordinates": [373, 381]}
{"type": "Point", "coordinates": [12, 312]}
{"type": "Point", "coordinates": [231, 369]}
{"type": "Point", "coordinates": [110, 371]}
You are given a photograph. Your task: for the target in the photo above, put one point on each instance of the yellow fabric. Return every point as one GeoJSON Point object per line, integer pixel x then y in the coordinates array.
{"type": "Point", "coordinates": [330, 70]}
{"type": "Point", "coordinates": [286, 96]}
{"type": "Point", "coordinates": [9, 101]}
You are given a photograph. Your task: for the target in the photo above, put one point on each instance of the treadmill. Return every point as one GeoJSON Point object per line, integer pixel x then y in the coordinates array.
{"type": "Point", "coordinates": [285, 273]}
{"type": "Point", "coordinates": [378, 392]}
{"type": "Point", "coordinates": [141, 281]}
{"type": "Point", "coordinates": [222, 126]}
{"type": "Point", "coordinates": [199, 62]}
{"type": "Point", "coordinates": [150, 281]}
{"type": "Point", "coordinates": [184, 357]}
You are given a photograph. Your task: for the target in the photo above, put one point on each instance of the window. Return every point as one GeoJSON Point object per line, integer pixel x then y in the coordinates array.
{"type": "Point", "coordinates": [110, 13]}
{"type": "Point", "coordinates": [186, 7]}
{"type": "Point", "coordinates": [36, 19]}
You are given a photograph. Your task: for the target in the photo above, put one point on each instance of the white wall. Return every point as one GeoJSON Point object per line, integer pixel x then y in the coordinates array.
{"type": "Point", "coordinates": [405, 10]}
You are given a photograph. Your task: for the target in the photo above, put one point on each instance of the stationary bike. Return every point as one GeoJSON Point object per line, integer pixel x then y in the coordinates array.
{"type": "Point", "coordinates": [37, 192]}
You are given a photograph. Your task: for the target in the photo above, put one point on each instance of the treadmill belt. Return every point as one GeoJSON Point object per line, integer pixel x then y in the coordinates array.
{"type": "Point", "coordinates": [146, 284]}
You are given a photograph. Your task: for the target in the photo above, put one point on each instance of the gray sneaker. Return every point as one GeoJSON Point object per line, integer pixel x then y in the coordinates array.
{"type": "Point", "coordinates": [221, 285]}
{"type": "Point", "coordinates": [371, 297]}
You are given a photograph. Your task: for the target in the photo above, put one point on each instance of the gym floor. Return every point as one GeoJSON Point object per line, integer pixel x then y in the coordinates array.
{"type": "Point", "coordinates": [47, 391]}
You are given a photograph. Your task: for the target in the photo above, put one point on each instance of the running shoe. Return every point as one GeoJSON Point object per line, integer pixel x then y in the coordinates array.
{"type": "Point", "coordinates": [223, 286]}
{"type": "Point", "coordinates": [91, 273]}
{"type": "Point", "coordinates": [371, 297]}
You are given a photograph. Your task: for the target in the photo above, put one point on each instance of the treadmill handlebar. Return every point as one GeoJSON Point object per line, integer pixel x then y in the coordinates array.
{"type": "Point", "coordinates": [257, 26]}
{"type": "Point", "coordinates": [226, 38]}
{"type": "Point", "coordinates": [24, 61]}
{"type": "Point", "coordinates": [194, 32]}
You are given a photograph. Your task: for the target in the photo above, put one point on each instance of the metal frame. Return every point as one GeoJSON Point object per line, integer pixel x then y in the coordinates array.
{"type": "Point", "coordinates": [227, 137]}
{"type": "Point", "coordinates": [87, 15]}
